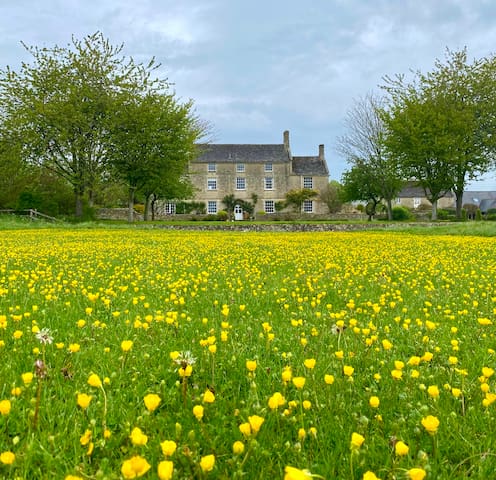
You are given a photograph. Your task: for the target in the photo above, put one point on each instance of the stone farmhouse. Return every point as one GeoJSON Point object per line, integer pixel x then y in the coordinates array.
{"type": "Point", "coordinates": [268, 171]}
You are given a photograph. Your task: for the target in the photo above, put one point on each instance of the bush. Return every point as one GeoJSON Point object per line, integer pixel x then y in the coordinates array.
{"type": "Point", "coordinates": [222, 216]}
{"type": "Point", "coordinates": [401, 213]}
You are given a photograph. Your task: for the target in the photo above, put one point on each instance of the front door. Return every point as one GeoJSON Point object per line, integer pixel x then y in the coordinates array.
{"type": "Point", "coordinates": [238, 212]}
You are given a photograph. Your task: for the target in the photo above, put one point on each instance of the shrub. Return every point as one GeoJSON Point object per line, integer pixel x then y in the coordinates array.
{"type": "Point", "coordinates": [401, 213]}
{"type": "Point", "coordinates": [222, 216]}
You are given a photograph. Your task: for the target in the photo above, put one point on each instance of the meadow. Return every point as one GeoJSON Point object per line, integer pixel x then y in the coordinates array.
{"type": "Point", "coordinates": [144, 353]}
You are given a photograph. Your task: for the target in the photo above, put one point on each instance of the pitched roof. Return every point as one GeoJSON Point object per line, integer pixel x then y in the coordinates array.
{"type": "Point", "coordinates": [476, 197]}
{"type": "Point", "coordinates": [239, 153]}
{"type": "Point", "coordinates": [412, 191]}
{"type": "Point", "coordinates": [309, 166]}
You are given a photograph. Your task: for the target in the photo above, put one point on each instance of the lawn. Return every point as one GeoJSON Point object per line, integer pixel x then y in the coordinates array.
{"type": "Point", "coordinates": [129, 353]}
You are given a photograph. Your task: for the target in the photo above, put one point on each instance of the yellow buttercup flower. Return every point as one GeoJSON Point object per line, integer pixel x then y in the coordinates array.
{"type": "Point", "coordinates": [433, 391]}
{"type": "Point", "coordinates": [255, 422]}
{"type": "Point", "coordinates": [431, 424]}
{"type": "Point", "coordinates": [198, 412]}
{"type": "Point", "coordinates": [374, 402]}
{"type": "Point", "coordinates": [83, 400]}
{"type": "Point", "coordinates": [94, 380]}
{"type": "Point", "coordinates": [356, 441]}
{"type": "Point", "coordinates": [401, 449]}
{"type": "Point", "coordinates": [245, 429]}
{"type": "Point", "coordinates": [310, 363]}
{"type": "Point", "coordinates": [276, 401]}
{"type": "Point", "coordinates": [168, 447]}
{"type": "Point", "coordinates": [299, 382]}
{"type": "Point", "coordinates": [348, 370]}
{"type": "Point", "coordinates": [238, 447]}
{"type": "Point", "coordinates": [207, 463]}
{"type": "Point", "coordinates": [152, 401]}
{"type": "Point", "coordinates": [370, 476]}
{"type": "Point", "coordinates": [7, 458]}
{"type": "Point", "coordinates": [138, 437]}
{"type": "Point", "coordinates": [5, 407]}
{"type": "Point", "coordinates": [135, 467]}
{"type": "Point", "coordinates": [27, 377]}
{"type": "Point", "coordinates": [416, 474]}
{"type": "Point", "coordinates": [126, 345]}
{"type": "Point", "coordinates": [329, 379]}
{"type": "Point", "coordinates": [208, 397]}
{"type": "Point", "coordinates": [251, 365]}
{"type": "Point", "coordinates": [293, 473]}
{"type": "Point", "coordinates": [165, 470]}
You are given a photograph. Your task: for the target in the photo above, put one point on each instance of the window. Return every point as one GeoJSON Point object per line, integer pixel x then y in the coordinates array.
{"type": "Point", "coordinates": [416, 202]}
{"type": "Point", "coordinates": [211, 184]}
{"type": "Point", "coordinates": [240, 167]}
{"type": "Point", "coordinates": [170, 208]}
{"type": "Point", "coordinates": [269, 206]}
{"type": "Point", "coordinates": [268, 167]}
{"type": "Point", "coordinates": [212, 206]}
{"type": "Point", "coordinates": [240, 183]}
{"type": "Point", "coordinates": [307, 182]}
{"type": "Point", "coordinates": [269, 183]}
{"type": "Point", "coordinates": [308, 206]}
{"type": "Point", "coordinates": [212, 167]}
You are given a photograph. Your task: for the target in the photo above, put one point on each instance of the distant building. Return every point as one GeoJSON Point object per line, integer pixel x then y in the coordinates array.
{"type": "Point", "coordinates": [413, 197]}
{"type": "Point", "coordinates": [268, 171]}
{"type": "Point", "coordinates": [484, 201]}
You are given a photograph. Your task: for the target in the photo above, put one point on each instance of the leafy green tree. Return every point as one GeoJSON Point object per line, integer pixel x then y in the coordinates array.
{"type": "Point", "coordinates": [363, 147]}
{"type": "Point", "coordinates": [333, 198]}
{"type": "Point", "coordinates": [295, 198]}
{"type": "Point", "coordinates": [359, 184]}
{"type": "Point", "coordinates": [59, 106]}
{"type": "Point", "coordinates": [152, 140]}
{"type": "Point", "coordinates": [440, 125]}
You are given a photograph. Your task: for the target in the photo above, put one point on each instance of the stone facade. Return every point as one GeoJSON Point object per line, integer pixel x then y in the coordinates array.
{"type": "Point", "coordinates": [268, 171]}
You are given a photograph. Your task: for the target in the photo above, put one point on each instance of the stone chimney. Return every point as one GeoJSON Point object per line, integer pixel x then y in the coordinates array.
{"type": "Point", "coordinates": [286, 140]}
{"type": "Point", "coordinates": [321, 152]}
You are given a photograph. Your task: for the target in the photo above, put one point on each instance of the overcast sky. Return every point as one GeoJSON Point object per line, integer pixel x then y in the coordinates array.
{"type": "Point", "coordinates": [256, 68]}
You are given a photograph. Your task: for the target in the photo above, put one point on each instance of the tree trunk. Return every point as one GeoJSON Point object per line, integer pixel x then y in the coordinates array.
{"type": "Point", "coordinates": [389, 208]}
{"type": "Point", "coordinates": [146, 215]}
{"type": "Point", "coordinates": [459, 205]}
{"type": "Point", "coordinates": [79, 203]}
{"type": "Point", "coordinates": [434, 210]}
{"type": "Point", "coordinates": [152, 205]}
{"type": "Point", "coordinates": [130, 211]}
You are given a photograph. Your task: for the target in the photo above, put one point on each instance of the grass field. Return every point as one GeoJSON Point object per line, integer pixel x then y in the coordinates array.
{"type": "Point", "coordinates": [129, 353]}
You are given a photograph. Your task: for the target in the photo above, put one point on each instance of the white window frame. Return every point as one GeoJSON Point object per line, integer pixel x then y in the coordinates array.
{"type": "Point", "coordinates": [240, 168]}
{"type": "Point", "coordinates": [170, 208]}
{"type": "Point", "coordinates": [269, 183]}
{"type": "Point", "coordinates": [269, 206]}
{"type": "Point", "coordinates": [240, 183]}
{"type": "Point", "coordinates": [307, 206]}
{"type": "Point", "coordinates": [268, 167]}
{"type": "Point", "coordinates": [308, 182]}
{"type": "Point", "coordinates": [211, 184]}
{"type": "Point", "coordinates": [417, 201]}
{"type": "Point", "coordinates": [212, 207]}
{"type": "Point", "coordinates": [212, 167]}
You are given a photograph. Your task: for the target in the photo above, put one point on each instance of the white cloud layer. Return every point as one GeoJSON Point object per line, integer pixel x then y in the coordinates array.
{"type": "Point", "coordinates": [257, 68]}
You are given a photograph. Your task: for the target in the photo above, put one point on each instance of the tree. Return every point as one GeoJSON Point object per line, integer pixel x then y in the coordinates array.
{"type": "Point", "coordinates": [152, 139]}
{"type": "Point", "coordinates": [441, 124]}
{"type": "Point", "coordinates": [363, 147]}
{"type": "Point", "coordinates": [295, 198]}
{"type": "Point", "coordinates": [359, 184]}
{"type": "Point", "coordinates": [59, 106]}
{"type": "Point", "coordinates": [333, 198]}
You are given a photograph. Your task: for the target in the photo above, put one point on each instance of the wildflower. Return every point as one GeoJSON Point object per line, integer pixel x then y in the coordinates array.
{"type": "Point", "coordinates": [374, 402]}
{"type": "Point", "coordinates": [276, 401]}
{"type": "Point", "coordinates": [198, 412]}
{"type": "Point", "coordinates": [348, 371]}
{"type": "Point", "coordinates": [310, 363]}
{"type": "Point", "coordinates": [165, 470]}
{"type": "Point", "coordinates": [16, 391]}
{"type": "Point", "coordinates": [185, 371]}
{"type": "Point", "coordinates": [73, 477]}
{"type": "Point", "coordinates": [397, 374]}
{"type": "Point", "coordinates": [135, 467]}
{"type": "Point", "coordinates": [126, 345]}
{"type": "Point", "coordinates": [44, 337]}
{"type": "Point", "coordinates": [83, 400]}
{"type": "Point", "coordinates": [251, 365]}
{"type": "Point", "coordinates": [17, 334]}
{"type": "Point", "coordinates": [307, 404]}
{"type": "Point", "coordinates": [27, 378]}
{"type": "Point", "coordinates": [286, 374]}
{"type": "Point", "coordinates": [487, 372]}
{"type": "Point", "coordinates": [7, 458]}
{"type": "Point", "coordinates": [74, 347]}
{"type": "Point", "coordinates": [431, 424]}
{"type": "Point", "coordinates": [370, 476]}
{"type": "Point", "coordinates": [85, 438]}
{"type": "Point", "coordinates": [292, 473]}
{"type": "Point", "coordinates": [387, 345]}
{"type": "Point", "coordinates": [301, 433]}
{"type": "Point", "coordinates": [356, 441]}
{"type": "Point", "coordinates": [208, 397]}
{"type": "Point", "coordinates": [433, 391]}
{"type": "Point", "coordinates": [5, 406]}
{"type": "Point", "coordinates": [152, 401]}
{"type": "Point", "coordinates": [456, 392]}
{"type": "Point", "coordinates": [255, 422]}
{"type": "Point", "coordinates": [207, 463]}
{"type": "Point", "coordinates": [401, 448]}
{"type": "Point", "coordinates": [238, 447]}
{"type": "Point", "coordinates": [416, 474]}
{"type": "Point", "coordinates": [329, 379]}
{"type": "Point", "coordinates": [184, 358]}
{"type": "Point", "coordinates": [245, 429]}
{"type": "Point", "coordinates": [299, 382]}
{"type": "Point", "coordinates": [138, 437]}
{"type": "Point", "coordinates": [40, 369]}
{"type": "Point", "coordinates": [168, 447]}
{"type": "Point", "coordinates": [94, 380]}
